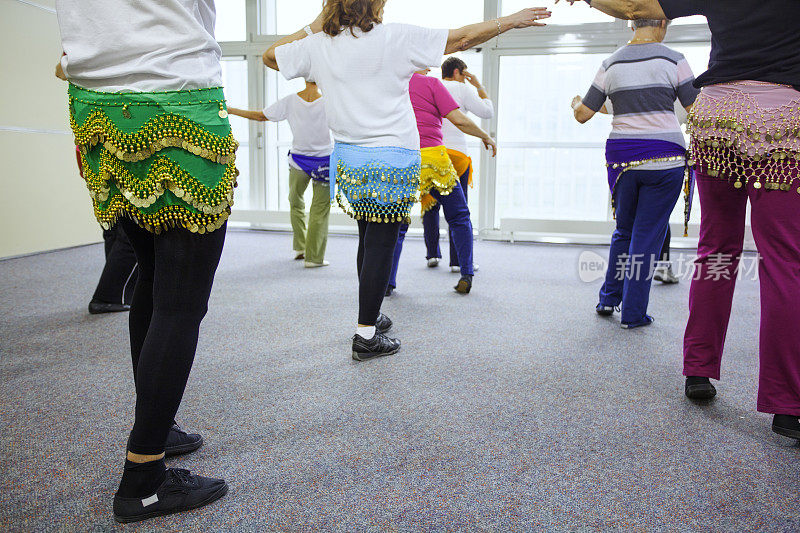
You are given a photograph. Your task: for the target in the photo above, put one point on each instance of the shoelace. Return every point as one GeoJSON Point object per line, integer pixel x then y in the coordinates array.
{"type": "Point", "coordinates": [182, 476]}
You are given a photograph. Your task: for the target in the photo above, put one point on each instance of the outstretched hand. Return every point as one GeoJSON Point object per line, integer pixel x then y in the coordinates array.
{"type": "Point", "coordinates": [529, 17]}
{"type": "Point", "coordinates": [490, 144]}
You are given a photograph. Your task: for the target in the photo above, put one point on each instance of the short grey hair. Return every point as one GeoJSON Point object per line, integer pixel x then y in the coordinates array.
{"type": "Point", "coordinates": [647, 23]}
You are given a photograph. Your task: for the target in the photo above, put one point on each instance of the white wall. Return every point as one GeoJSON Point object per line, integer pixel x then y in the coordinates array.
{"type": "Point", "coordinates": [45, 204]}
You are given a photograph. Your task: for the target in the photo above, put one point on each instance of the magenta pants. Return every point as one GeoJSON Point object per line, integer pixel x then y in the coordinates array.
{"type": "Point", "coordinates": [775, 219]}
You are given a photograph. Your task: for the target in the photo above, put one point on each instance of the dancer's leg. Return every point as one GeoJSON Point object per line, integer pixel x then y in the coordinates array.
{"type": "Point", "coordinates": [464, 180]}
{"type": "Point", "coordinates": [185, 264]}
{"type": "Point", "coordinates": [379, 241]}
{"type": "Point", "coordinates": [776, 228]}
{"type": "Point", "coordinates": [627, 197]}
{"type": "Point", "coordinates": [456, 212]}
{"type": "Point", "coordinates": [430, 225]}
{"type": "Point", "coordinates": [722, 225]}
{"type": "Point", "coordinates": [119, 272]}
{"type": "Point", "coordinates": [317, 237]}
{"type": "Point", "coordinates": [658, 192]}
{"type": "Point", "coordinates": [298, 183]}
{"type": "Point", "coordinates": [142, 304]}
{"type": "Point", "coordinates": [398, 250]}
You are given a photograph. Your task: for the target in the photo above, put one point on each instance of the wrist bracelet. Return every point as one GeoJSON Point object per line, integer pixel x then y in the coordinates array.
{"type": "Point", "coordinates": [499, 28]}
{"type": "Point", "coordinates": [308, 30]}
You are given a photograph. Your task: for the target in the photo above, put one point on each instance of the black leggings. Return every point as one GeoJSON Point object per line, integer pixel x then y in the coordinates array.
{"type": "Point", "coordinates": [119, 273]}
{"type": "Point", "coordinates": [176, 272]}
{"type": "Point", "coordinates": [376, 243]}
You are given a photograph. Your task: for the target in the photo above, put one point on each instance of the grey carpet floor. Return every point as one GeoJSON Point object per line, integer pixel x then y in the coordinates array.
{"type": "Point", "coordinates": [512, 409]}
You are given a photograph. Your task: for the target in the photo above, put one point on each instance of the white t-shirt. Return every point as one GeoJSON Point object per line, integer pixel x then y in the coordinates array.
{"type": "Point", "coordinates": [308, 122]}
{"type": "Point", "coordinates": [365, 79]}
{"type": "Point", "coordinates": [470, 102]}
{"type": "Point", "coordinates": [135, 45]}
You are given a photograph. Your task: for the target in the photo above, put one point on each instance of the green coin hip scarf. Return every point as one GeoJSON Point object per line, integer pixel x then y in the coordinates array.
{"type": "Point", "coordinates": [164, 159]}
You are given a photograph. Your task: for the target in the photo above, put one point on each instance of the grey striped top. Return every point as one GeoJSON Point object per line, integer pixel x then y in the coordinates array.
{"type": "Point", "coordinates": [643, 81]}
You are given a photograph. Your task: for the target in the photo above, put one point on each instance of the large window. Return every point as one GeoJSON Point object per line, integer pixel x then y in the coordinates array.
{"type": "Point", "coordinates": [549, 167]}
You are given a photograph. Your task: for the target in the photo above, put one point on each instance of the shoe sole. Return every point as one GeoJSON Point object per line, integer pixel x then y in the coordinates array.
{"type": "Point", "coordinates": [604, 313]}
{"type": "Point", "coordinates": [791, 433]}
{"type": "Point", "coordinates": [361, 357]}
{"type": "Point", "coordinates": [211, 498]}
{"type": "Point", "coordinates": [183, 448]}
{"type": "Point", "coordinates": [700, 392]}
{"type": "Point", "coordinates": [463, 287]}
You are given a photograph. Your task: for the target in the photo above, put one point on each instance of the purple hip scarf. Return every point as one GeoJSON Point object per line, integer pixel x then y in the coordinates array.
{"type": "Point", "coordinates": [317, 168]}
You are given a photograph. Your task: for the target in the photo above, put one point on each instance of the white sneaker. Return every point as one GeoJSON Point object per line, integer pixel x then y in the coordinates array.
{"type": "Point", "coordinates": [475, 268]}
{"type": "Point", "coordinates": [298, 255]}
{"type": "Point", "coordinates": [309, 264]}
{"type": "Point", "coordinates": [433, 262]}
{"type": "Point", "coordinates": [665, 275]}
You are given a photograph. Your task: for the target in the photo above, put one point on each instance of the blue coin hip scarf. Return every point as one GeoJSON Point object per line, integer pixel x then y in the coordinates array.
{"type": "Point", "coordinates": [376, 184]}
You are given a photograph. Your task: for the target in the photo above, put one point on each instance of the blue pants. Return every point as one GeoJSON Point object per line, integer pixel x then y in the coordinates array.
{"type": "Point", "coordinates": [456, 213]}
{"type": "Point", "coordinates": [430, 223]}
{"type": "Point", "coordinates": [645, 199]}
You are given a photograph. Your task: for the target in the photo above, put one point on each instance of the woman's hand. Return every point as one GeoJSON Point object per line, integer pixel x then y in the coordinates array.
{"type": "Point", "coordinates": [490, 144]}
{"type": "Point", "coordinates": [576, 102]}
{"type": "Point", "coordinates": [528, 17]}
{"type": "Point", "coordinates": [60, 72]}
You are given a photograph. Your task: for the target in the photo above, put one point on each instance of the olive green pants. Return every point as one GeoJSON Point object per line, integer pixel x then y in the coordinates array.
{"type": "Point", "coordinates": [314, 241]}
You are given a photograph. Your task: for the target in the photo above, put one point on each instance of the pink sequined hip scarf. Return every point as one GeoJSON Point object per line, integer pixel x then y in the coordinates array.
{"type": "Point", "coordinates": [748, 132]}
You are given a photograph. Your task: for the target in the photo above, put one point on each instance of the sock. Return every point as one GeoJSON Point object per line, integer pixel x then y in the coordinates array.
{"type": "Point", "coordinates": [140, 480]}
{"type": "Point", "coordinates": [366, 331]}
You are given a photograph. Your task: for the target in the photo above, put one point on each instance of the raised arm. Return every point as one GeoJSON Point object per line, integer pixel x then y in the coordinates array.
{"type": "Point", "coordinates": [465, 124]}
{"type": "Point", "coordinates": [627, 9]}
{"type": "Point", "coordinates": [269, 56]}
{"type": "Point", "coordinates": [475, 34]}
{"type": "Point", "coordinates": [258, 116]}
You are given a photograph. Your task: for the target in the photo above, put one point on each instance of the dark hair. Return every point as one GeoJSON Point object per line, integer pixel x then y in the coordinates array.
{"type": "Point", "coordinates": [450, 66]}
{"type": "Point", "coordinates": [343, 15]}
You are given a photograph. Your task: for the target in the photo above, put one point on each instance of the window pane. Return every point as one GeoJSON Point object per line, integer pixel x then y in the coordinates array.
{"type": "Point", "coordinates": [563, 13]}
{"type": "Point", "coordinates": [291, 15]}
{"type": "Point", "coordinates": [435, 14]}
{"type": "Point", "coordinates": [549, 166]}
{"type": "Point", "coordinates": [234, 76]}
{"type": "Point", "coordinates": [231, 21]}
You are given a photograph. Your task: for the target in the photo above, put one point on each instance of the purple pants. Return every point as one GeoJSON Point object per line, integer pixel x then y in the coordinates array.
{"type": "Point", "coordinates": [776, 228]}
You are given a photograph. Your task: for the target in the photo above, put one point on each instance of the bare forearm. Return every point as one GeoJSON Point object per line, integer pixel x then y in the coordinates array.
{"type": "Point", "coordinates": [475, 34]}
{"type": "Point", "coordinates": [630, 9]}
{"type": "Point", "coordinates": [469, 127]}
{"type": "Point", "coordinates": [245, 113]}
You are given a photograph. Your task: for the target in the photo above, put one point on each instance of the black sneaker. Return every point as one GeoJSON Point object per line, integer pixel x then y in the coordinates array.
{"type": "Point", "coordinates": [383, 324]}
{"type": "Point", "coordinates": [464, 285]}
{"type": "Point", "coordinates": [786, 425]}
{"type": "Point", "coordinates": [604, 310]}
{"type": "Point", "coordinates": [181, 491]}
{"type": "Point", "coordinates": [100, 308]}
{"type": "Point", "coordinates": [179, 442]}
{"type": "Point", "coordinates": [377, 346]}
{"type": "Point", "coordinates": [699, 388]}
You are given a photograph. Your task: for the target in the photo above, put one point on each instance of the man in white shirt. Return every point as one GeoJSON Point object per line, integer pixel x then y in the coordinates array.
{"type": "Point", "coordinates": [474, 99]}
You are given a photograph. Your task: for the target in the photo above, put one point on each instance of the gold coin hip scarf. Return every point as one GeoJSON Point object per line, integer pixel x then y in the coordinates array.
{"type": "Point", "coordinates": [437, 173]}
{"type": "Point", "coordinates": [748, 133]}
{"type": "Point", "coordinates": [376, 184]}
{"type": "Point", "coordinates": [163, 159]}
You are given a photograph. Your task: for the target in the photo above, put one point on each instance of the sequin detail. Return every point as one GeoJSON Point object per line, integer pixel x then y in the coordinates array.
{"type": "Point", "coordinates": [377, 193]}
{"type": "Point", "coordinates": [737, 138]}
